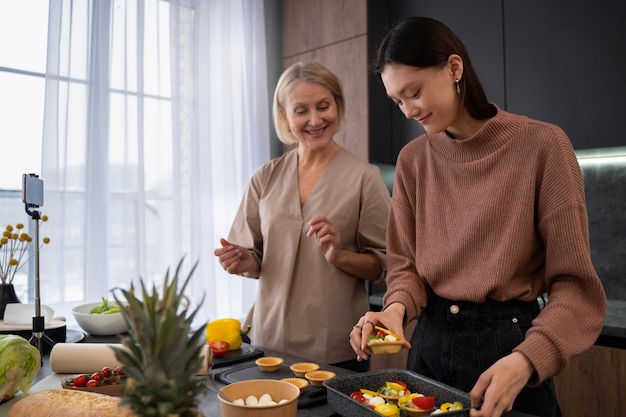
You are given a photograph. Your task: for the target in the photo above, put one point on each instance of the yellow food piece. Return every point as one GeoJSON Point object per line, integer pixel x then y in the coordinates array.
{"type": "Point", "coordinates": [445, 406]}
{"type": "Point", "coordinates": [456, 406]}
{"type": "Point", "coordinates": [407, 398]}
{"type": "Point", "coordinates": [387, 332]}
{"type": "Point", "coordinates": [394, 386]}
{"type": "Point", "coordinates": [387, 409]}
{"type": "Point", "coordinates": [227, 330]}
{"type": "Point", "coordinates": [369, 392]}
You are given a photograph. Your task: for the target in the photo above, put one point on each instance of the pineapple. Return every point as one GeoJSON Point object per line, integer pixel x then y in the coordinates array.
{"type": "Point", "coordinates": [161, 356]}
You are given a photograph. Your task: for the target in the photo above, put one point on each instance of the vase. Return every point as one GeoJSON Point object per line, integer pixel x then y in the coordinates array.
{"type": "Point", "coordinates": [7, 295]}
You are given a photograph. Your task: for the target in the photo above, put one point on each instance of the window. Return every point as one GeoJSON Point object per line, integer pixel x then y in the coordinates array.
{"type": "Point", "coordinates": [120, 108]}
{"type": "Point", "coordinates": [24, 31]}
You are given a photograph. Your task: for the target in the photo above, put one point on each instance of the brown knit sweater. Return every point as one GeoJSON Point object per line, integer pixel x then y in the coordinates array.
{"type": "Point", "coordinates": [500, 215]}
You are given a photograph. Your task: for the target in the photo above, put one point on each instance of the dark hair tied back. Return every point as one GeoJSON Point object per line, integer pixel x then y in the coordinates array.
{"type": "Point", "coordinates": [423, 42]}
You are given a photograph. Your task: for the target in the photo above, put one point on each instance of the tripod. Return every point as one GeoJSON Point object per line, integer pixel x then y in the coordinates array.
{"type": "Point", "coordinates": [39, 326]}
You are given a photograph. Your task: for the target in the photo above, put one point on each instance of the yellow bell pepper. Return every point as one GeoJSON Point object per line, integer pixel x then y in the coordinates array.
{"type": "Point", "coordinates": [407, 398]}
{"type": "Point", "coordinates": [227, 330]}
{"type": "Point", "coordinates": [387, 409]}
{"type": "Point", "coordinates": [369, 392]}
{"type": "Point", "coordinates": [445, 406]}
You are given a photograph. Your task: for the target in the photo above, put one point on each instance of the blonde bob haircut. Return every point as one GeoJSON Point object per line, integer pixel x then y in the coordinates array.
{"type": "Point", "coordinates": [308, 72]}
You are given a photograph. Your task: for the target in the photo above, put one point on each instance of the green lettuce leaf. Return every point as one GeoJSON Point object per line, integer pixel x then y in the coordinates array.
{"type": "Point", "coordinates": [19, 364]}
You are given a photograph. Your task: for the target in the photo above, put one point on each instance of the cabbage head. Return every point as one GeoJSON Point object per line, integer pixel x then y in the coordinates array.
{"type": "Point", "coordinates": [19, 364]}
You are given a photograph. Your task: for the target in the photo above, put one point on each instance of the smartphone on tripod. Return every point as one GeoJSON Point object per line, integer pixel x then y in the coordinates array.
{"type": "Point", "coordinates": [32, 190]}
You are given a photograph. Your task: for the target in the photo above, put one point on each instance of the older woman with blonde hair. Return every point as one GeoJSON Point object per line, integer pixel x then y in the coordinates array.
{"type": "Point", "coordinates": [311, 227]}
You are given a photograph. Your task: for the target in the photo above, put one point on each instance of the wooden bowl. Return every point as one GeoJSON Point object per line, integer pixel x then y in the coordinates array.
{"type": "Point", "coordinates": [301, 368]}
{"type": "Point", "coordinates": [318, 377]}
{"type": "Point", "coordinates": [381, 347]}
{"type": "Point", "coordinates": [301, 383]}
{"type": "Point", "coordinates": [269, 363]}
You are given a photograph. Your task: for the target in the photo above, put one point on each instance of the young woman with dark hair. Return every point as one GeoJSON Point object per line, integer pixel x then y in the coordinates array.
{"type": "Point", "coordinates": [488, 215]}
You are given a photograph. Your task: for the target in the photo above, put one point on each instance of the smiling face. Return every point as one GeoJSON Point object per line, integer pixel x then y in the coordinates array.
{"type": "Point", "coordinates": [311, 112]}
{"type": "Point", "coordinates": [427, 95]}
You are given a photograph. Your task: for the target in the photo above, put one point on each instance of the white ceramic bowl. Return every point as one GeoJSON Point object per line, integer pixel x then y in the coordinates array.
{"type": "Point", "coordinates": [99, 324]}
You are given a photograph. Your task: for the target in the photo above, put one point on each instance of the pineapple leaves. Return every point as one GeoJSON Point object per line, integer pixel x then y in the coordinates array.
{"type": "Point", "coordinates": [161, 355]}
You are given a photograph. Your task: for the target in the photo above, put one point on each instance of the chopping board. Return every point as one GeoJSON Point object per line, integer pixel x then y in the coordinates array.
{"type": "Point", "coordinates": [245, 353]}
{"type": "Point", "coordinates": [309, 396]}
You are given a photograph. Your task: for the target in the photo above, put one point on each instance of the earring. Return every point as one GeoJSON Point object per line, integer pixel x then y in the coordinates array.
{"type": "Point", "coordinates": [458, 86]}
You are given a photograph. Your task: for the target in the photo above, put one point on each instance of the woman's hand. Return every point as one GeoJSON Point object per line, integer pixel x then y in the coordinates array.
{"type": "Point", "coordinates": [236, 260]}
{"type": "Point", "coordinates": [498, 386]}
{"type": "Point", "coordinates": [390, 319]}
{"type": "Point", "coordinates": [327, 236]}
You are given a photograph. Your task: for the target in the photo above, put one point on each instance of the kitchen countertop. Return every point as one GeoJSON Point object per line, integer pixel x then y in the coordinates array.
{"type": "Point", "coordinates": [210, 404]}
{"type": "Point", "coordinates": [614, 330]}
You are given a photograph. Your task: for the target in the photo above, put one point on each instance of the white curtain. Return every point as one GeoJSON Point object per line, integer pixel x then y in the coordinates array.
{"type": "Point", "coordinates": [156, 115]}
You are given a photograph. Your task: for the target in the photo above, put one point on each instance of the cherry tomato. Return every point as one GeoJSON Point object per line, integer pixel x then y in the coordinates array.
{"type": "Point", "coordinates": [92, 383]}
{"type": "Point", "coordinates": [358, 397]}
{"type": "Point", "coordinates": [219, 348]}
{"type": "Point", "coordinates": [380, 334]}
{"type": "Point", "coordinates": [106, 372]}
{"type": "Point", "coordinates": [118, 370]}
{"type": "Point", "coordinates": [424, 403]}
{"type": "Point", "coordinates": [97, 376]}
{"type": "Point", "coordinates": [80, 380]}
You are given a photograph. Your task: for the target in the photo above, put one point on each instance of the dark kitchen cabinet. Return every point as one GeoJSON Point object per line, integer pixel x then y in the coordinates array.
{"type": "Point", "coordinates": [560, 61]}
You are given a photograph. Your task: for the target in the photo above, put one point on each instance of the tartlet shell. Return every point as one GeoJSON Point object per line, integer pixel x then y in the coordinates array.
{"type": "Point", "coordinates": [417, 412]}
{"type": "Point", "coordinates": [269, 363]}
{"type": "Point", "coordinates": [318, 377]}
{"type": "Point", "coordinates": [301, 383]}
{"type": "Point", "coordinates": [301, 368]}
{"type": "Point", "coordinates": [381, 347]}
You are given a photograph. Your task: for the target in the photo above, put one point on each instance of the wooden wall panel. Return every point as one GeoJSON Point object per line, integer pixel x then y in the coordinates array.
{"type": "Point", "coordinates": [593, 384]}
{"type": "Point", "coordinates": [312, 24]}
{"type": "Point", "coordinates": [348, 60]}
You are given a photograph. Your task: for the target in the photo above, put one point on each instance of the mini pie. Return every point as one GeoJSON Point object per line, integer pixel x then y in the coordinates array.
{"type": "Point", "coordinates": [301, 368]}
{"type": "Point", "coordinates": [383, 347]}
{"type": "Point", "coordinates": [318, 377]}
{"type": "Point", "coordinates": [298, 382]}
{"type": "Point", "coordinates": [417, 412]}
{"type": "Point", "coordinates": [269, 363]}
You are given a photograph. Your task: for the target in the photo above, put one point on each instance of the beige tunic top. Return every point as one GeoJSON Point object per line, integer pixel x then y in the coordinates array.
{"type": "Point", "coordinates": [305, 306]}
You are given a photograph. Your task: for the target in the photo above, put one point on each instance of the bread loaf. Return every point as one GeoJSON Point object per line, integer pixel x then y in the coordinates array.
{"type": "Point", "coordinates": [68, 403]}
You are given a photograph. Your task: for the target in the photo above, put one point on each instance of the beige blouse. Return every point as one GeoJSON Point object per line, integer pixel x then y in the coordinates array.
{"type": "Point", "coordinates": [305, 306]}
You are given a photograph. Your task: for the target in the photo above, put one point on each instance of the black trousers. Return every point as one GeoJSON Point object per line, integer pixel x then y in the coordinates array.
{"type": "Point", "coordinates": [454, 342]}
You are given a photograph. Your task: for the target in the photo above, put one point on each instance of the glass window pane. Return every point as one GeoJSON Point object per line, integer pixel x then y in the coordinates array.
{"type": "Point", "coordinates": [21, 121]}
{"type": "Point", "coordinates": [24, 33]}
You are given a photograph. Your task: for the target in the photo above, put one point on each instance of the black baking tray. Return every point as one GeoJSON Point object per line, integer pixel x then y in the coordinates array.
{"type": "Point", "coordinates": [340, 388]}
{"type": "Point", "coordinates": [245, 353]}
{"type": "Point", "coordinates": [309, 396]}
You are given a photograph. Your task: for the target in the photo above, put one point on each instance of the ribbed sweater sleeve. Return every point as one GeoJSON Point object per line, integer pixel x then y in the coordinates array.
{"type": "Point", "coordinates": [500, 215]}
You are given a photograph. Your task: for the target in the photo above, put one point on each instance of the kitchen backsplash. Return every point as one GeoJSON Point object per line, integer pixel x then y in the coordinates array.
{"type": "Point", "coordinates": [604, 172]}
